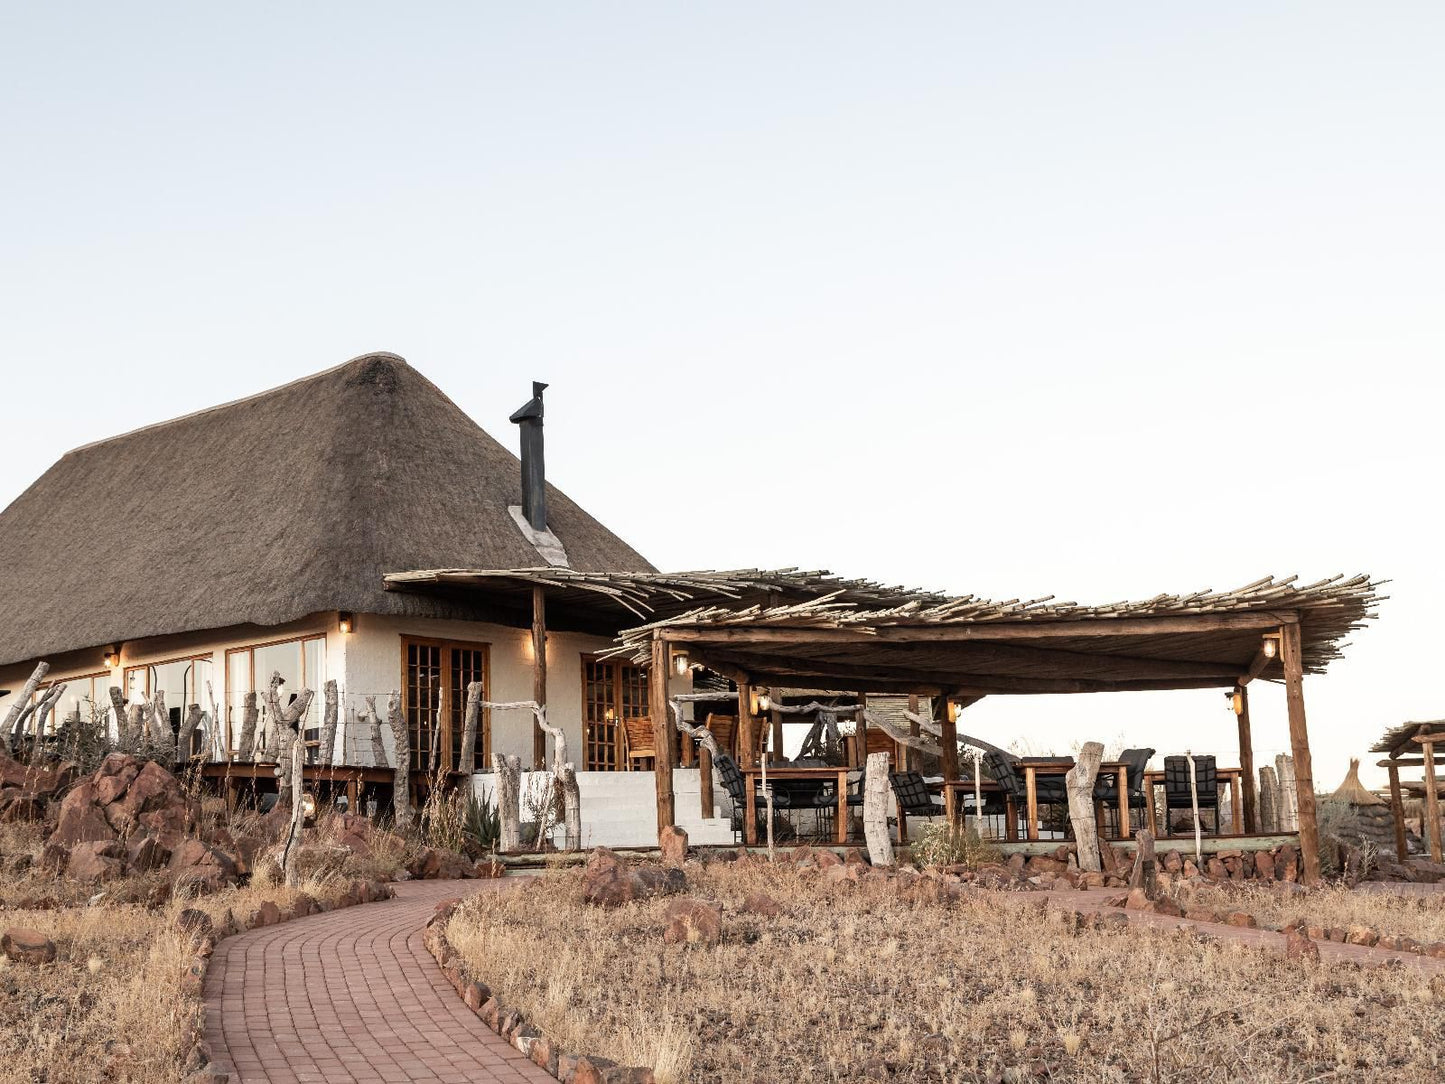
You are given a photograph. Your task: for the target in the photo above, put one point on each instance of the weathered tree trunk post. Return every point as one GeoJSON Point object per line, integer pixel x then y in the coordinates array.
{"type": "Point", "coordinates": [909, 756]}
{"type": "Point", "coordinates": [1299, 741]}
{"type": "Point", "coordinates": [328, 723]}
{"type": "Point", "coordinates": [947, 738]}
{"type": "Point", "coordinates": [401, 739]}
{"type": "Point", "coordinates": [378, 744]}
{"type": "Point", "coordinates": [1194, 809]}
{"type": "Point", "coordinates": [1246, 762]}
{"type": "Point", "coordinates": [45, 707]}
{"type": "Point", "coordinates": [186, 733]}
{"type": "Point", "coordinates": [661, 735]}
{"type": "Point", "coordinates": [162, 742]}
{"type": "Point", "coordinates": [1286, 807]}
{"type": "Point", "coordinates": [468, 758]}
{"type": "Point", "coordinates": [875, 810]}
{"type": "Point", "coordinates": [135, 728]}
{"type": "Point", "coordinates": [1397, 814]}
{"type": "Point", "coordinates": [539, 672]}
{"type": "Point", "coordinates": [117, 707]}
{"type": "Point", "coordinates": [22, 699]}
{"type": "Point", "coordinates": [564, 778]}
{"type": "Point", "coordinates": [1079, 782]}
{"type": "Point", "coordinates": [298, 813]}
{"type": "Point", "coordinates": [509, 800]}
{"type": "Point", "coordinates": [1432, 804]}
{"type": "Point", "coordinates": [246, 750]}
{"type": "Point", "coordinates": [746, 743]}
{"type": "Point", "coordinates": [1268, 801]}
{"type": "Point", "coordinates": [289, 721]}
{"type": "Point", "coordinates": [1145, 874]}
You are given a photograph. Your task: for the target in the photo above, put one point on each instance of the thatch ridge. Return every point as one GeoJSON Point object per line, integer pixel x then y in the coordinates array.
{"type": "Point", "coordinates": [268, 508]}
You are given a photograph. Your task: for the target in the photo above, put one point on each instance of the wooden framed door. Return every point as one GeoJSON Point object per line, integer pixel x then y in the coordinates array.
{"type": "Point", "coordinates": [434, 680]}
{"type": "Point", "coordinates": [612, 693]}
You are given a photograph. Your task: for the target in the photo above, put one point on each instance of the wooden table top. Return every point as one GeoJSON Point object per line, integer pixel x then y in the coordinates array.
{"type": "Point", "coordinates": [800, 773]}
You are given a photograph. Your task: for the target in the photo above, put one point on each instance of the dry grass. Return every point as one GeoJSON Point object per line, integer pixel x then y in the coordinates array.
{"type": "Point", "coordinates": [858, 982]}
{"type": "Point", "coordinates": [110, 1006]}
{"type": "Point", "coordinates": [1420, 916]}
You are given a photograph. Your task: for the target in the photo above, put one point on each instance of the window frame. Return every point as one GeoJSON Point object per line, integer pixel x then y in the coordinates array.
{"type": "Point", "coordinates": [484, 723]}
{"type": "Point", "coordinates": [303, 639]}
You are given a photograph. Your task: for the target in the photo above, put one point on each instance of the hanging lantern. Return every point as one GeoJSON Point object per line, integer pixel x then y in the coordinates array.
{"type": "Point", "coordinates": [681, 662]}
{"type": "Point", "coordinates": [765, 702]}
{"type": "Point", "coordinates": [952, 711]}
{"type": "Point", "coordinates": [1271, 647]}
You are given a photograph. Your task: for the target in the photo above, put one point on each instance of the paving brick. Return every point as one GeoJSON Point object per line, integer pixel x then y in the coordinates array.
{"type": "Point", "coordinates": [373, 1006]}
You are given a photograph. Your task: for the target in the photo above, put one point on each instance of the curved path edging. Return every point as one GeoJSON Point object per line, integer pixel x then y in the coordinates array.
{"type": "Point", "coordinates": [370, 1006]}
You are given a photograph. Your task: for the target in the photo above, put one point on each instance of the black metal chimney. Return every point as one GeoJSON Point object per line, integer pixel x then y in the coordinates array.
{"type": "Point", "coordinates": [534, 473]}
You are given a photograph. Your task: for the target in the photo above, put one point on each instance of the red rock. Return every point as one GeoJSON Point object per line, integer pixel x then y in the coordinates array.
{"type": "Point", "coordinates": [1091, 879]}
{"type": "Point", "coordinates": [672, 841]}
{"type": "Point", "coordinates": [1435, 949]}
{"type": "Point", "coordinates": [1337, 934]}
{"type": "Point", "coordinates": [21, 806]}
{"type": "Point", "coordinates": [1240, 918]}
{"type": "Point", "coordinates": [1297, 946]}
{"type": "Point", "coordinates": [1215, 870]}
{"type": "Point", "coordinates": [854, 856]}
{"type": "Point", "coordinates": [147, 852]}
{"type": "Point", "coordinates": [694, 922]}
{"type": "Point", "coordinates": [589, 1070]}
{"type": "Point", "coordinates": [1264, 865]}
{"type": "Point", "coordinates": [1203, 914]}
{"type": "Point", "coordinates": [96, 862]}
{"type": "Point", "coordinates": [1361, 935]}
{"type": "Point", "coordinates": [195, 863]}
{"type": "Point", "coordinates": [194, 922]}
{"type": "Point", "coordinates": [81, 820]}
{"type": "Point", "coordinates": [760, 903]}
{"type": "Point", "coordinates": [269, 913]}
{"type": "Point", "coordinates": [474, 994]}
{"type": "Point", "coordinates": [1286, 863]}
{"type": "Point", "coordinates": [1165, 906]}
{"type": "Point", "coordinates": [27, 946]}
{"type": "Point", "coordinates": [1138, 900]}
{"type": "Point", "coordinates": [487, 1012]}
{"type": "Point", "coordinates": [1173, 862]}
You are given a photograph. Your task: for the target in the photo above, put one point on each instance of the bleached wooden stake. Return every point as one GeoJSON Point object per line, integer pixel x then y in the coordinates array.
{"type": "Point", "coordinates": [378, 745]}
{"type": "Point", "coordinates": [509, 800]}
{"type": "Point", "coordinates": [1079, 783]}
{"type": "Point", "coordinates": [22, 699]}
{"type": "Point", "coordinates": [328, 723]}
{"type": "Point", "coordinates": [469, 727]}
{"type": "Point", "coordinates": [875, 809]}
{"type": "Point", "coordinates": [249, 715]}
{"type": "Point", "coordinates": [1194, 803]}
{"type": "Point", "coordinates": [401, 739]}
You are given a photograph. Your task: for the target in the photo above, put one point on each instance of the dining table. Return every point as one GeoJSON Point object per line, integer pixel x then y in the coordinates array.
{"type": "Point", "coordinates": [753, 776]}
{"type": "Point", "coordinates": [1033, 767]}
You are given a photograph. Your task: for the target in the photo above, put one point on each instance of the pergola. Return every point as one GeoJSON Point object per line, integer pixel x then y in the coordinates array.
{"type": "Point", "coordinates": [792, 628]}
{"type": "Point", "coordinates": [1412, 745]}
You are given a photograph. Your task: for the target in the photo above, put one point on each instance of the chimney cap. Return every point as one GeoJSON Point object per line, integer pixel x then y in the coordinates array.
{"type": "Point", "coordinates": [532, 408]}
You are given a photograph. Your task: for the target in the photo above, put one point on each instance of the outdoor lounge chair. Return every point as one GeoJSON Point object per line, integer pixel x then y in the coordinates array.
{"type": "Point", "coordinates": [732, 780]}
{"type": "Point", "coordinates": [1176, 786]}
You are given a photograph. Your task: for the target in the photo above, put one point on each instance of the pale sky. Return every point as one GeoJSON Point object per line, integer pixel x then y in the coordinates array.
{"type": "Point", "coordinates": [1092, 301]}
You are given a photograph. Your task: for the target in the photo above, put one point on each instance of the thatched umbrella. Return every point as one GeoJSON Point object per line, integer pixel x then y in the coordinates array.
{"type": "Point", "coordinates": [1375, 822]}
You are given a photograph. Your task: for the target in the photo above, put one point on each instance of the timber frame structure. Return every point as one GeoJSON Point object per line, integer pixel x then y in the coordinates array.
{"type": "Point", "coordinates": [1412, 745]}
{"type": "Point", "coordinates": [793, 628]}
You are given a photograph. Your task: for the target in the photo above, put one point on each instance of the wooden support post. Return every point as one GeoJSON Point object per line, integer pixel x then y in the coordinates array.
{"type": "Point", "coordinates": [875, 810]}
{"type": "Point", "coordinates": [1079, 785]}
{"type": "Point", "coordinates": [1299, 740]}
{"type": "Point", "coordinates": [860, 729]}
{"type": "Point", "coordinates": [911, 758]}
{"type": "Point", "coordinates": [1246, 761]}
{"type": "Point", "coordinates": [746, 743]}
{"type": "Point", "coordinates": [1397, 813]}
{"type": "Point", "coordinates": [661, 735]}
{"type": "Point", "coordinates": [1123, 782]}
{"type": "Point", "coordinates": [539, 673]}
{"type": "Point", "coordinates": [1031, 794]}
{"type": "Point", "coordinates": [777, 737]}
{"type": "Point", "coordinates": [1145, 873]}
{"type": "Point", "coordinates": [948, 738]}
{"type": "Point", "coordinates": [704, 777]}
{"type": "Point", "coordinates": [1432, 800]}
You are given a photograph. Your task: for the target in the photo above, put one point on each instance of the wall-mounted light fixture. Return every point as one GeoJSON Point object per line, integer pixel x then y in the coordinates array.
{"type": "Point", "coordinates": [609, 716]}
{"type": "Point", "coordinates": [953, 711]}
{"type": "Point", "coordinates": [112, 656]}
{"type": "Point", "coordinates": [765, 702]}
{"type": "Point", "coordinates": [681, 662]}
{"type": "Point", "coordinates": [1271, 647]}
{"type": "Point", "coordinates": [1236, 702]}
{"type": "Point", "coordinates": [346, 621]}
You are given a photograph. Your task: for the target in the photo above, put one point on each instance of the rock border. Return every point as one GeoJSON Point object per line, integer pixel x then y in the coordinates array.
{"type": "Point", "coordinates": [527, 1039]}
{"type": "Point", "coordinates": [206, 934]}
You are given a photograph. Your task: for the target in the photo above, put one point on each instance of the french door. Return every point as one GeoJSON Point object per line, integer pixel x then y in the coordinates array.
{"type": "Point", "coordinates": [435, 676]}
{"type": "Point", "coordinates": [612, 694]}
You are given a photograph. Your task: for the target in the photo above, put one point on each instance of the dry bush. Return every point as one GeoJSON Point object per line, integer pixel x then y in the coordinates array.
{"type": "Point", "coordinates": [1419, 916]}
{"type": "Point", "coordinates": [865, 981]}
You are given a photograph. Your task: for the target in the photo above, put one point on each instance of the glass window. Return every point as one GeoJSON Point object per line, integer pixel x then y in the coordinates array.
{"type": "Point", "coordinates": [301, 664]}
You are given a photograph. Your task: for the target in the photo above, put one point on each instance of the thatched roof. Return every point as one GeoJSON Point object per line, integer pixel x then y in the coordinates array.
{"type": "Point", "coordinates": [1205, 639]}
{"type": "Point", "coordinates": [1396, 739]}
{"type": "Point", "coordinates": [1353, 791]}
{"type": "Point", "coordinates": [260, 511]}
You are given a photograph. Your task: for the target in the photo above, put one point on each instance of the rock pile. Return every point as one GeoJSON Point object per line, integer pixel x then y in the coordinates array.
{"type": "Point", "coordinates": [25, 792]}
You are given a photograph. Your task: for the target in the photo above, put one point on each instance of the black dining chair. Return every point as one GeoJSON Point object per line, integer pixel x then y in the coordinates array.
{"type": "Point", "coordinates": [914, 797]}
{"type": "Point", "coordinates": [731, 778]}
{"type": "Point", "coordinates": [1176, 786]}
{"type": "Point", "coordinates": [1106, 787]}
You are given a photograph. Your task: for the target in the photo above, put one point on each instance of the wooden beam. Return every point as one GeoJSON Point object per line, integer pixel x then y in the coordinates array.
{"type": "Point", "coordinates": [1435, 737]}
{"type": "Point", "coordinates": [661, 737]}
{"type": "Point", "coordinates": [1401, 762]}
{"type": "Point", "coordinates": [539, 673]}
{"type": "Point", "coordinates": [1246, 763]}
{"type": "Point", "coordinates": [1432, 800]}
{"type": "Point", "coordinates": [777, 729]}
{"type": "Point", "coordinates": [909, 756]}
{"type": "Point", "coordinates": [1397, 811]}
{"type": "Point", "coordinates": [1299, 740]}
{"type": "Point", "coordinates": [988, 630]}
{"type": "Point", "coordinates": [1261, 661]}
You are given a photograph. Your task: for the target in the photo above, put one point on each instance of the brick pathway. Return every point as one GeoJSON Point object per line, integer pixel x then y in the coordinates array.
{"type": "Point", "coordinates": [372, 1005]}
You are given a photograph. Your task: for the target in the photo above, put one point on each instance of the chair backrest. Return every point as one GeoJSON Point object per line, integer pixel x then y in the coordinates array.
{"type": "Point", "coordinates": [724, 730]}
{"type": "Point", "coordinates": [1137, 761]}
{"type": "Point", "coordinates": [1000, 769]}
{"type": "Point", "coordinates": [641, 741]}
{"type": "Point", "coordinates": [912, 792]}
{"type": "Point", "coordinates": [1176, 776]}
{"type": "Point", "coordinates": [731, 779]}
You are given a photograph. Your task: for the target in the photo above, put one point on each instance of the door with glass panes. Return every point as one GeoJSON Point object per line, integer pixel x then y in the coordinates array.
{"type": "Point", "coordinates": [435, 676]}
{"type": "Point", "coordinates": [612, 693]}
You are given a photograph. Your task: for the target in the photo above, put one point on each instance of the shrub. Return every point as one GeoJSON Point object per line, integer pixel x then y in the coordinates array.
{"type": "Point", "coordinates": [947, 845]}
